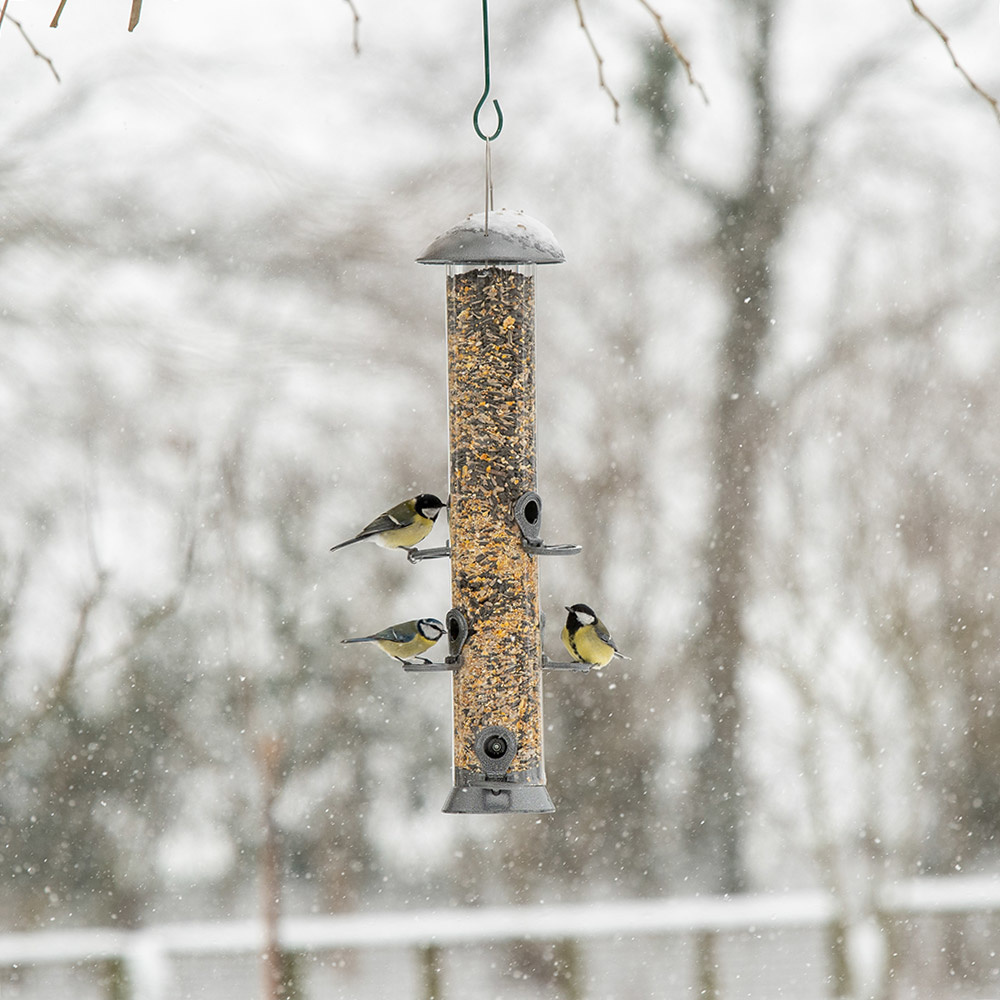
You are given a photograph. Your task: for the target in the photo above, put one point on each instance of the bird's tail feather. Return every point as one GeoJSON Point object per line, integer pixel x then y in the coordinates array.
{"type": "Point", "coordinates": [340, 545]}
{"type": "Point", "coordinates": [362, 638]}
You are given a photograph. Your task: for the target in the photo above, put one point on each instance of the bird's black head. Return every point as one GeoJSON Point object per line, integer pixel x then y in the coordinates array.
{"type": "Point", "coordinates": [580, 614]}
{"type": "Point", "coordinates": [430, 628]}
{"type": "Point", "coordinates": [428, 505]}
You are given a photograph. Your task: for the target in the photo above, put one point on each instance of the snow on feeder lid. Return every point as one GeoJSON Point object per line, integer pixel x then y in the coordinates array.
{"type": "Point", "coordinates": [512, 238]}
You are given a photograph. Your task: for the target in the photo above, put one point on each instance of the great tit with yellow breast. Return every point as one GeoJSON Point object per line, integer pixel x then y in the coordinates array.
{"type": "Point", "coordinates": [402, 526]}
{"type": "Point", "coordinates": [587, 637]}
{"type": "Point", "coordinates": [406, 640]}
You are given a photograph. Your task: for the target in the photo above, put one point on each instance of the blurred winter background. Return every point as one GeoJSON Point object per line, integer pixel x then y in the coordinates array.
{"type": "Point", "coordinates": [767, 382]}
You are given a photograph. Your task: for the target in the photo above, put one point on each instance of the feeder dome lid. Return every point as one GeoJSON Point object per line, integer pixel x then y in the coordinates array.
{"type": "Point", "coordinates": [513, 238]}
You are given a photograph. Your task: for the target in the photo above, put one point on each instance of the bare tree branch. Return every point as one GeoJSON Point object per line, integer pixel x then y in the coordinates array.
{"type": "Point", "coordinates": [31, 45]}
{"type": "Point", "coordinates": [840, 95]}
{"type": "Point", "coordinates": [355, 28]}
{"type": "Point", "coordinates": [602, 83]}
{"type": "Point", "coordinates": [67, 670]}
{"type": "Point", "coordinates": [74, 650]}
{"type": "Point", "coordinates": [54, 23]}
{"type": "Point", "coordinates": [668, 40]}
{"type": "Point", "coordinates": [72, 657]}
{"type": "Point", "coordinates": [843, 348]}
{"type": "Point", "coordinates": [133, 17]}
{"type": "Point", "coordinates": [9, 603]}
{"type": "Point", "coordinates": [156, 615]}
{"type": "Point", "coordinates": [990, 100]}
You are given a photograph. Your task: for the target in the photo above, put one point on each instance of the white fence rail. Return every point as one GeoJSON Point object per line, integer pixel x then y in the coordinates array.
{"type": "Point", "coordinates": [927, 939]}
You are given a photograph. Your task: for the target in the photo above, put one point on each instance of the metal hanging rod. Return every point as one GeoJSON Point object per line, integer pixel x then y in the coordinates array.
{"type": "Point", "coordinates": [486, 89]}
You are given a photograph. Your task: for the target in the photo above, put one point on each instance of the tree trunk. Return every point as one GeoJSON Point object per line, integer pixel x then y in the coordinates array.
{"type": "Point", "coordinates": [748, 229]}
{"type": "Point", "coordinates": [269, 865]}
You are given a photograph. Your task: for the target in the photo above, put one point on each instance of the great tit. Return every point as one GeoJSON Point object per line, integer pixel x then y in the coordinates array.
{"type": "Point", "coordinates": [587, 637]}
{"type": "Point", "coordinates": [402, 526]}
{"type": "Point", "coordinates": [406, 640]}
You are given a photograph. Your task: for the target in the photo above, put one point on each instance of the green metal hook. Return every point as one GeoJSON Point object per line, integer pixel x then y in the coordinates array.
{"type": "Point", "coordinates": [486, 90]}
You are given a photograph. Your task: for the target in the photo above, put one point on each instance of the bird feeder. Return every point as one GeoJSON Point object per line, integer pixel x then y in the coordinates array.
{"type": "Point", "coordinates": [494, 514]}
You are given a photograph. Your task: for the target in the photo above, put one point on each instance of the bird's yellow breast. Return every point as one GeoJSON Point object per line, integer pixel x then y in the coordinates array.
{"type": "Point", "coordinates": [407, 536]}
{"type": "Point", "coordinates": [587, 647]}
{"type": "Point", "coordinates": [414, 647]}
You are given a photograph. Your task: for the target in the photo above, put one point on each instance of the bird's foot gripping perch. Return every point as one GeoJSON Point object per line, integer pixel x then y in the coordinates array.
{"type": "Point", "coordinates": [406, 661]}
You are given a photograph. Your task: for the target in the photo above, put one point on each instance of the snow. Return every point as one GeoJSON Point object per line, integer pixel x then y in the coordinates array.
{"type": "Point", "coordinates": [752, 913]}
{"type": "Point", "coordinates": [213, 326]}
{"type": "Point", "coordinates": [506, 237]}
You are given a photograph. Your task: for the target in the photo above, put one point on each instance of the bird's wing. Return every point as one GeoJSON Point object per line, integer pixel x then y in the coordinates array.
{"type": "Point", "coordinates": [603, 634]}
{"type": "Point", "coordinates": [391, 519]}
{"type": "Point", "coordinates": [397, 633]}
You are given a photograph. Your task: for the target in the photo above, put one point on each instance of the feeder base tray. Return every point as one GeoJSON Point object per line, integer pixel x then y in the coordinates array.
{"type": "Point", "coordinates": [475, 794]}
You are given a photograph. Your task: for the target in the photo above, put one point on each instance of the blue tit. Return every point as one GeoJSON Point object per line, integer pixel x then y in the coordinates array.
{"type": "Point", "coordinates": [587, 637]}
{"type": "Point", "coordinates": [406, 640]}
{"type": "Point", "coordinates": [402, 526]}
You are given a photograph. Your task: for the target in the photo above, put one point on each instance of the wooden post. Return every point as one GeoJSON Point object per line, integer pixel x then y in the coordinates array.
{"type": "Point", "coordinates": [430, 968]}
{"type": "Point", "coordinates": [496, 687]}
{"type": "Point", "coordinates": [706, 969]}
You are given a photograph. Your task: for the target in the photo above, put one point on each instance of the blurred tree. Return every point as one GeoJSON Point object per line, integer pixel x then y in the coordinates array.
{"type": "Point", "coordinates": [654, 93]}
{"type": "Point", "coordinates": [207, 329]}
{"type": "Point", "coordinates": [84, 780]}
{"type": "Point", "coordinates": [747, 226]}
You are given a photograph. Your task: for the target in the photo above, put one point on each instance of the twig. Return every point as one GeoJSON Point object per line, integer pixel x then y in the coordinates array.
{"type": "Point", "coordinates": [990, 100]}
{"type": "Point", "coordinates": [60, 687]}
{"type": "Point", "coordinates": [355, 28]}
{"type": "Point", "coordinates": [31, 45]}
{"type": "Point", "coordinates": [133, 17]}
{"type": "Point", "coordinates": [668, 40]}
{"type": "Point", "coordinates": [55, 17]}
{"type": "Point", "coordinates": [72, 657]}
{"type": "Point", "coordinates": [156, 615]}
{"type": "Point", "coordinates": [602, 83]}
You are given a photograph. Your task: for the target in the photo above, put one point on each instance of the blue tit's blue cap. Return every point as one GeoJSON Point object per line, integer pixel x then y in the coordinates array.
{"type": "Point", "coordinates": [513, 238]}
